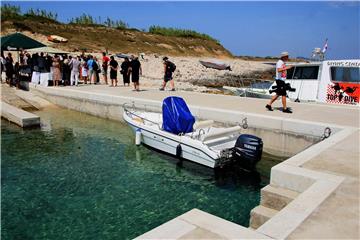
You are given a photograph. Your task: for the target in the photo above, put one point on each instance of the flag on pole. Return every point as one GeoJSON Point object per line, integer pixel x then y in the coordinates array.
{"type": "Point", "coordinates": [325, 46]}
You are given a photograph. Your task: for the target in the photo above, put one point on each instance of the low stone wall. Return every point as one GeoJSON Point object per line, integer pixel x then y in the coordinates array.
{"type": "Point", "coordinates": [282, 137]}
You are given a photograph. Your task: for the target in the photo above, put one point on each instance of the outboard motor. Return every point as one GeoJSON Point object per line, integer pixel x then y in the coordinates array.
{"type": "Point", "coordinates": [247, 151]}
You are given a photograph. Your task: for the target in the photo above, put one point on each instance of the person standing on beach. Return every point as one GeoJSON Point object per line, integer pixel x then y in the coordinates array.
{"type": "Point", "coordinates": [125, 71]}
{"type": "Point", "coordinates": [66, 71]}
{"type": "Point", "coordinates": [136, 71]}
{"type": "Point", "coordinates": [113, 71]}
{"type": "Point", "coordinates": [105, 62]}
{"type": "Point", "coordinates": [3, 62]}
{"type": "Point", "coordinates": [9, 69]}
{"type": "Point", "coordinates": [281, 71]}
{"type": "Point", "coordinates": [41, 61]}
{"type": "Point", "coordinates": [75, 69]}
{"type": "Point", "coordinates": [169, 68]}
{"type": "Point", "coordinates": [84, 70]}
{"type": "Point", "coordinates": [90, 63]}
{"type": "Point", "coordinates": [56, 70]}
{"type": "Point", "coordinates": [96, 70]}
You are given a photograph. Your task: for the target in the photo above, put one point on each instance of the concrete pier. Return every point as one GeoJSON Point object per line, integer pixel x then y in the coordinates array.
{"type": "Point", "coordinates": [18, 116]}
{"type": "Point", "coordinates": [314, 194]}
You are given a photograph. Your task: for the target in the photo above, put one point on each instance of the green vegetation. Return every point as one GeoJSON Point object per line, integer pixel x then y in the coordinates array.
{"type": "Point", "coordinates": [87, 19]}
{"type": "Point", "coordinates": [179, 33]}
{"type": "Point", "coordinates": [118, 24]}
{"type": "Point", "coordinates": [84, 19]}
{"type": "Point", "coordinates": [41, 13]}
{"type": "Point", "coordinates": [10, 12]}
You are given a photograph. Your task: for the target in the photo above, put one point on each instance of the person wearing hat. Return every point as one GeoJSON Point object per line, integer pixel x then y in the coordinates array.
{"type": "Point", "coordinates": [280, 77]}
{"type": "Point", "coordinates": [169, 68]}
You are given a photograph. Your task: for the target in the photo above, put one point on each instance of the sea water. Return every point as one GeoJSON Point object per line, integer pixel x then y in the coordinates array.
{"type": "Point", "coordinates": [82, 177]}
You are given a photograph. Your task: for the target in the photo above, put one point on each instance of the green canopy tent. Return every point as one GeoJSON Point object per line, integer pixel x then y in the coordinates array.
{"type": "Point", "coordinates": [17, 41]}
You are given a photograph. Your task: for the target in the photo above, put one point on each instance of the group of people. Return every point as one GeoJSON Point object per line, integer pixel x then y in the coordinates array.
{"type": "Point", "coordinates": [68, 70]}
{"type": "Point", "coordinates": [130, 67]}
{"type": "Point", "coordinates": [87, 68]}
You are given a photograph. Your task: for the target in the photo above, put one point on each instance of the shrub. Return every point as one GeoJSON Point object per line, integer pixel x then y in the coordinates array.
{"type": "Point", "coordinates": [84, 19]}
{"type": "Point", "coordinates": [176, 32]}
{"type": "Point", "coordinates": [118, 24]}
{"type": "Point", "coordinates": [10, 11]}
{"type": "Point", "coordinates": [41, 14]}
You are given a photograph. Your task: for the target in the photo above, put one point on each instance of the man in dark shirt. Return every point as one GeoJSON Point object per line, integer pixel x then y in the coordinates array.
{"type": "Point", "coordinates": [169, 68]}
{"type": "Point", "coordinates": [113, 71]}
{"type": "Point", "coordinates": [9, 69]}
{"type": "Point", "coordinates": [136, 71]}
{"type": "Point", "coordinates": [41, 63]}
{"type": "Point", "coordinates": [125, 71]}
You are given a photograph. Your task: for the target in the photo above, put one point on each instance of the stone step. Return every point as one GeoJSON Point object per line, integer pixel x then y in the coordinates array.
{"type": "Point", "coordinates": [259, 215]}
{"type": "Point", "coordinates": [32, 99]}
{"type": "Point", "coordinates": [276, 197]}
{"type": "Point", "coordinates": [19, 116]}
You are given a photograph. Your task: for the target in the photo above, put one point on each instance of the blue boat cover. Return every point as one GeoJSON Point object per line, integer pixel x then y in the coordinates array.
{"type": "Point", "coordinates": [177, 117]}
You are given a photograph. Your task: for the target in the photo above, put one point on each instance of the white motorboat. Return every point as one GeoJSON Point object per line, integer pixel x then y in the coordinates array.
{"type": "Point", "coordinates": [257, 89]}
{"type": "Point", "coordinates": [175, 131]}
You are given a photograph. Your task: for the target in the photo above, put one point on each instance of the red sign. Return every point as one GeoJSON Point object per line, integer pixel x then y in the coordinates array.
{"type": "Point", "coordinates": [343, 93]}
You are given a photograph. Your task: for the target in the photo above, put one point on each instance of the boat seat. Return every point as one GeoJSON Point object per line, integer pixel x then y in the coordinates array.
{"type": "Point", "coordinates": [203, 124]}
{"type": "Point", "coordinates": [221, 133]}
{"type": "Point", "coordinates": [139, 120]}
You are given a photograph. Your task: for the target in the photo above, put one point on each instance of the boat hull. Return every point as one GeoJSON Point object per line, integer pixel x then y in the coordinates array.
{"type": "Point", "coordinates": [218, 66]}
{"type": "Point", "coordinates": [169, 144]}
{"type": "Point", "coordinates": [57, 39]}
{"type": "Point", "coordinates": [252, 94]}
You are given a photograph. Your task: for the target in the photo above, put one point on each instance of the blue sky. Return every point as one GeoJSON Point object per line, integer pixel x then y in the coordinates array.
{"type": "Point", "coordinates": [245, 28]}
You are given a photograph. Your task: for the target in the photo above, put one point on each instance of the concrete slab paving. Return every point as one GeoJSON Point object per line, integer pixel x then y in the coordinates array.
{"type": "Point", "coordinates": [315, 112]}
{"type": "Point", "coordinates": [338, 217]}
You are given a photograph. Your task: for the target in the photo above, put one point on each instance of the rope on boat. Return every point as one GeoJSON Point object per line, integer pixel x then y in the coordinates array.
{"type": "Point", "coordinates": [244, 123]}
{"type": "Point", "coordinates": [326, 134]}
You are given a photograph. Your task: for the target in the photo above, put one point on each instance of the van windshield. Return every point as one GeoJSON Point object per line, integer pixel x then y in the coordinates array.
{"type": "Point", "coordinates": [345, 74]}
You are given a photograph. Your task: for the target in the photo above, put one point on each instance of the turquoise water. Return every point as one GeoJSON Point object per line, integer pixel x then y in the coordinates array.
{"type": "Point", "coordinates": [81, 177]}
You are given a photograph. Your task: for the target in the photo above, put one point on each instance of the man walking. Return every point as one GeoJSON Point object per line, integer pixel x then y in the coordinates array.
{"type": "Point", "coordinates": [169, 68]}
{"type": "Point", "coordinates": [281, 70]}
